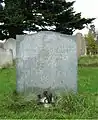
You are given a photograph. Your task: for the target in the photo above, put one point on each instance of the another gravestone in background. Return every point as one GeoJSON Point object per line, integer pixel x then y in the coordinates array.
{"type": "Point", "coordinates": [5, 57]}
{"type": "Point", "coordinates": [81, 45]}
{"type": "Point", "coordinates": [46, 60]}
{"type": "Point", "coordinates": [11, 44]}
{"type": "Point", "coordinates": [2, 43]}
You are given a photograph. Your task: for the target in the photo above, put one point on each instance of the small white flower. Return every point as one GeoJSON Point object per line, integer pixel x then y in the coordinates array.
{"type": "Point", "coordinates": [44, 100]}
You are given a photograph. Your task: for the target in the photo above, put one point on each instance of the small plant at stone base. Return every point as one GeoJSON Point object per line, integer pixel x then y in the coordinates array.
{"type": "Point", "coordinates": [46, 99]}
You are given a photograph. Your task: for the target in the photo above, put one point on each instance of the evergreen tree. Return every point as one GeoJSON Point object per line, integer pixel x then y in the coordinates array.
{"type": "Point", "coordinates": [20, 15]}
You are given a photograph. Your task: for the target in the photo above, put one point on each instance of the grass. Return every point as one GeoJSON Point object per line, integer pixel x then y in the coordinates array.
{"type": "Point", "coordinates": [88, 80]}
{"type": "Point", "coordinates": [89, 61]}
{"type": "Point", "coordinates": [82, 105]}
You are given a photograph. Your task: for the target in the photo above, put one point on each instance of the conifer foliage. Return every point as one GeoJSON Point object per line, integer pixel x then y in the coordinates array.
{"type": "Point", "coordinates": [36, 15]}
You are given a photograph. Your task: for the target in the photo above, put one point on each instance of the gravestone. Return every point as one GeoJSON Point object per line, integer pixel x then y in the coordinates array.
{"type": "Point", "coordinates": [5, 58]}
{"type": "Point", "coordinates": [11, 44]}
{"type": "Point", "coordinates": [81, 45]}
{"type": "Point", "coordinates": [46, 61]}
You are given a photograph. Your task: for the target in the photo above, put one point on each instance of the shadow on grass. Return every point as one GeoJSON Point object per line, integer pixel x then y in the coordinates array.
{"type": "Point", "coordinates": [88, 65]}
{"type": "Point", "coordinates": [18, 104]}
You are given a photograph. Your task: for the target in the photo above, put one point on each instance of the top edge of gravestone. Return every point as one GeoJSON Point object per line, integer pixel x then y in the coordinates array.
{"type": "Point", "coordinates": [44, 32]}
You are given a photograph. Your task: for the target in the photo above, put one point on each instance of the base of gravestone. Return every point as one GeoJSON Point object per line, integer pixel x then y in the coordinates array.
{"type": "Point", "coordinates": [32, 93]}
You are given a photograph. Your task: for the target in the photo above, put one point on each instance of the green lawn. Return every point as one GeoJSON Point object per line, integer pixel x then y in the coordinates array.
{"type": "Point", "coordinates": [82, 105]}
{"type": "Point", "coordinates": [88, 80]}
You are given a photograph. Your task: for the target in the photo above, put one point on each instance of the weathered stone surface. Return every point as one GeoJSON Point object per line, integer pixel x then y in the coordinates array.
{"type": "Point", "coordinates": [11, 44]}
{"type": "Point", "coordinates": [46, 60]}
{"type": "Point", "coordinates": [5, 58]}
{"type": "Point", "coordinates": [81, 45]}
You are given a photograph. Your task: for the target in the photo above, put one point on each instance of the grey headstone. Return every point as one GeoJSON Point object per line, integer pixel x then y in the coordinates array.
{"type": "Point", "coordinates": [5, 58]}
{"type": "Point", "coordinates": [81, 45]}
{"type": "Point", "coordinates": [46, 60]}
{"type": "Point", "coordinates": [11, 44]}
